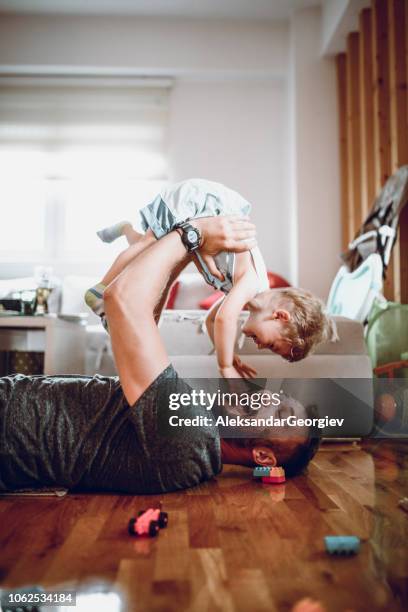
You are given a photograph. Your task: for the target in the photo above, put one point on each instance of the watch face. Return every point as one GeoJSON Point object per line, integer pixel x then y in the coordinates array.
{"type": "Point", "coordinates": [192, 236]}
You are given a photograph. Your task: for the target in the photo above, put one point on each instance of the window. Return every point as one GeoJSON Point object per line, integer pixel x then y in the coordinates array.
{"type": "Point", "coordinates": [73, 160]}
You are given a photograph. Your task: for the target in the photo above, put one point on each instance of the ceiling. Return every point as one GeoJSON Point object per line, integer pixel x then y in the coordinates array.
{"type": "Point", "coordinates": [212, 9]}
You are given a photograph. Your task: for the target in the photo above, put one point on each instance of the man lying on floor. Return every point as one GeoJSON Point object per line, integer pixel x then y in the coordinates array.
{"type": "Point", "coordinates": [101, 433]}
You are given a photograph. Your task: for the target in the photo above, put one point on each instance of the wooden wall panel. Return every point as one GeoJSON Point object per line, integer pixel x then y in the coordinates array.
{"type": "Point", "coordinates": [372, 79]}
{"type": "Point", "coordinates": [342, 111]}
{"type": "Point", "coordinates": [382, 109]}
{"type": "Point", "coordinates": [382, 140]}
{"type": "Point", "coordinates": [397, 28]}
{"type": "Point", "coordinates": [404, 216]}
{"type": "Point", "coordinates": [398, 126]}
{"type": "Point", "coordinates": [397, 10]}
{"type": "Point", "coordinates": [403, 256]}
{"type": "Point", "coordinates": [353, 132]}
{"type": "Point", "coordinates": [368, 191]}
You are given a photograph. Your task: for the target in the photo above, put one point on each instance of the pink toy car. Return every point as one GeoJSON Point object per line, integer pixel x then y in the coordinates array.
{"type": "Point", "coordinates": [148, 522]}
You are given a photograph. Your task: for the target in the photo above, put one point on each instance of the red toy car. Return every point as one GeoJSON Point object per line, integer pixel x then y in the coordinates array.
{"type": "Point", "coordinates": [148, 522]}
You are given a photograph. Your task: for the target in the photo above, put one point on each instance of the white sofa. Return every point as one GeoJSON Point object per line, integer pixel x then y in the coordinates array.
{"type": "Point", "coordinates": [191, 352]}
{"type": "Point", "coordinates": [190, 349]}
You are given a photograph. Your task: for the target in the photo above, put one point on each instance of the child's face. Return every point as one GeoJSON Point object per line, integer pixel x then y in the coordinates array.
{"type": "Point", "coordinates": [267, 333]}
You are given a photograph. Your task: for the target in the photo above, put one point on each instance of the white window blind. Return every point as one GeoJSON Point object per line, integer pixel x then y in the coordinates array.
{"type": "Point", "coordinates": [66, 116]}
{"type": "Point", "coordinates": [75, 155]}
{"type": "Point", "coordinates": [51, 111]}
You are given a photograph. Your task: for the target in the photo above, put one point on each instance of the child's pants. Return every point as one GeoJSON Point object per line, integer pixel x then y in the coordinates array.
{"type": "Point", "coordinates": [193, 199]}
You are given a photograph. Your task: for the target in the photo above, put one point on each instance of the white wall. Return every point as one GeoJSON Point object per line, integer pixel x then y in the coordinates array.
{"type": "Point", "coordinates": [228, 118]}
{"type": "Point", "coordinates": [339, 17]}
{"type": "Point", "coordinates": [315, 190]}
{"type": "Point", "coordinates": [236, 110]}
{"type": "Point", "coordinates": [144, 45]}
{"type": "Point", "coordinates": [236, 133]}
{"type": "Point", "coordinates": [332, 14]}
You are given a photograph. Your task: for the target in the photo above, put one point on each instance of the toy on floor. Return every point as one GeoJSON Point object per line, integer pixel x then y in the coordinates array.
{"type": "Point", "coordinates": [260, 471]}
{"type": "Point", "coordinates": [276, 476]}
{"type": "Point", "coordinates": [270, 475]}
{"type": "Point", "coordinates": [342, 545]}
{"type": "Point", "coordinates": [403, 504]}
{"type": "Point", "coordinates": [148, 522]}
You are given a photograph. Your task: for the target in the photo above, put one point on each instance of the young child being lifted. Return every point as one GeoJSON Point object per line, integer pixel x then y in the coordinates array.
{"type": "Point", "coordinates": [289, 322]}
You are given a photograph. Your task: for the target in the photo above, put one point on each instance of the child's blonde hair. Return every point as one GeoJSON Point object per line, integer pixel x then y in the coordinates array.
{"type": "Point", "coordinates": [309, 323]}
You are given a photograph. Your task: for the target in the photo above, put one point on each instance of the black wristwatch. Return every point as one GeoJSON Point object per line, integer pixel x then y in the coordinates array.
{"type": "Point", "coordinates": [190, 236]}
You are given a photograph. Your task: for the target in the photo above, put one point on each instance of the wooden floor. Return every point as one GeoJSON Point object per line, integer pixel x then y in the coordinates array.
{"type": "Point", "coordinates": [232, 544]}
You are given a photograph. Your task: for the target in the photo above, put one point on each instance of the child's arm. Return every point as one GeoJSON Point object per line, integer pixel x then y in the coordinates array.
{"type": "Point", "coordinates": [226, 319]}
{"type": "Point", "coordinates": [243, 369]}
{"type": "Point", "coordinates": [210, 318]}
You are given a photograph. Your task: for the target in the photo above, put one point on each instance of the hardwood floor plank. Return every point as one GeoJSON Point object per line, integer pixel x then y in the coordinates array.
{"type": "Point", "coordinates": [314, 494]}
{"type": "Point", "coordinates": [211, 587]}
{"type": "Point", "coordinates": [201, 523]}
{"type": "Point", "coordinates": [232, 545]}
{"type": "Point", "coordinates": [250, 590]}
{"type": "Point", "coordinates": [172, 550]}
{"type": "Point", "coordinates": [134, 579]}
{"type": "Point", "coordinates": [73, 559]}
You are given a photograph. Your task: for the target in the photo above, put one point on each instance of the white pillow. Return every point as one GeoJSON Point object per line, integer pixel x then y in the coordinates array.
{"type": "Point", "coordinates": [73, 290]}
{"type": "Point", "coordinates": [191, 291]}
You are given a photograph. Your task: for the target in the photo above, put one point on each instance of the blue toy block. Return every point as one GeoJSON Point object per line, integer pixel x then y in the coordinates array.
{"type": "Point", "coordinates": [342, 545]}
{"type": "Point", "coordinates": [260, 471]}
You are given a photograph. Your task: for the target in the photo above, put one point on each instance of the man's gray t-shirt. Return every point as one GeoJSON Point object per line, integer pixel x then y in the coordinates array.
{"type": "Point", "coordinates": [80, 432]}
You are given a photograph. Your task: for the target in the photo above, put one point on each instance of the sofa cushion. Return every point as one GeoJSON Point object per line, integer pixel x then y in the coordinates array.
{"type": "Point", "coordinates": [191, 291]}
{"type": "Point", "coordinates": [272, 366]}
{"type": "Point", "coordinates": [184, 333]}
{"type": "Point", "coordinates": [192, 354]}
{"type": "Point", "coordinates": [351, 339]}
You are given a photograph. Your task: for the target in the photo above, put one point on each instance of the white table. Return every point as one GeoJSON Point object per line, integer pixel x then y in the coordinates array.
{"type": "Point", "coordinates": [61, 341]}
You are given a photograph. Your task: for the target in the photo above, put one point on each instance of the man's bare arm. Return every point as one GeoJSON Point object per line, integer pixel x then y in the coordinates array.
{"type": "Point", "coordinates": [165, 294]}
{"type": "Point", "coordinates": [124, 258]}
{"type": "Point", "coordinates": [130, 300]}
